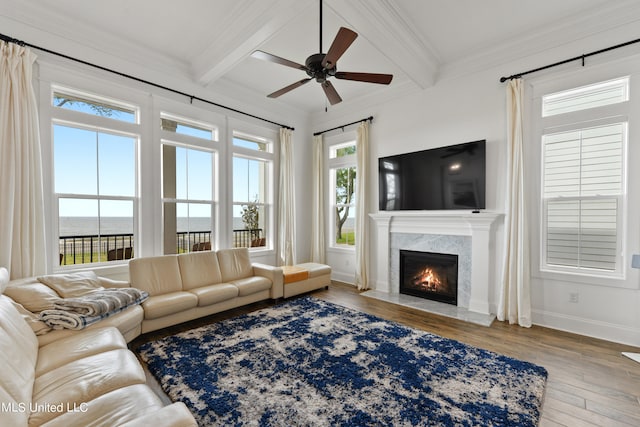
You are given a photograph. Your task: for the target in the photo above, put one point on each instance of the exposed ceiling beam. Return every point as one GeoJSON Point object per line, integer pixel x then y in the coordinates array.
{"type": "Point", "coordinates": [383, 25]}
{"type": "Point", "coordinates": [249, 26]}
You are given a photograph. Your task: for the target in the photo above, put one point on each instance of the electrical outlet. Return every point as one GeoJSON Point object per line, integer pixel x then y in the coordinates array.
{"type": "Point", "coordinates": [574, 297]}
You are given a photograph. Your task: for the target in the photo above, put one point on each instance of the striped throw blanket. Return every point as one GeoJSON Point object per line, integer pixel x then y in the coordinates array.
{"type": "Point", "coordinates": [80, 312]}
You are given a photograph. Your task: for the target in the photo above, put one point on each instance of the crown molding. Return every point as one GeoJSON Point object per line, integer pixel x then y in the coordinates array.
{"type": "Point", "coordinates": [382, 24]}
{"type": "Point", "coordinates": [595, 22]}
{"type": "Point", "coordinates": [56, 31]}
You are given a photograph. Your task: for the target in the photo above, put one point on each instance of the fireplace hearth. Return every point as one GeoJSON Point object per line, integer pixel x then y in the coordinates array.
{"type": "Point", "coordinates": [429, 275]}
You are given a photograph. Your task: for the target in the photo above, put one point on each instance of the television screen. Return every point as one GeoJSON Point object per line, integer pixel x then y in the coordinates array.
{"type": "Point", "coordinates": [450, 177]}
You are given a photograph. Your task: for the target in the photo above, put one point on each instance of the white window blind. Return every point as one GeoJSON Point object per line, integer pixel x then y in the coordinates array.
{"type": "Point", "coordinates": [582, 192]}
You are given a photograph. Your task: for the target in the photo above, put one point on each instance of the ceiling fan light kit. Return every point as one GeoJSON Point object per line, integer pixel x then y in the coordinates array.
{"type": "Point", "coordinates": [321, 66]}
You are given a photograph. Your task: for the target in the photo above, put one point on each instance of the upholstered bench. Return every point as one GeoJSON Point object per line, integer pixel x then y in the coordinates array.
{"type": "Point", "coordinates": [305, 277]}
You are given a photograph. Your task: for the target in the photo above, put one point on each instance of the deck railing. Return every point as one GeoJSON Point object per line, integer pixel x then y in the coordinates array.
{"type": "Point", "coordinates": [81, 249]}
{"type": "Point", "coordinates": [193, 241]}
{"type": "Point", "coordinates": [88, 248]}
{"type": "Point", "coordinates": [248, 238]}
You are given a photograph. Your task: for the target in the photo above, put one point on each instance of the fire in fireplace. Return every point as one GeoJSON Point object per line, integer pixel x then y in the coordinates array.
{"type": "Point", "coordinates": [429, 275]}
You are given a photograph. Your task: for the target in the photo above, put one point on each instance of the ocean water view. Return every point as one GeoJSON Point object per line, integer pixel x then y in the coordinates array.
{"type": "Point", "coordinates": [80, 225]}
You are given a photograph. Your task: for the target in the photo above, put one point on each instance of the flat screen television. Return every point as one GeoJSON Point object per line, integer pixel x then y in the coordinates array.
{"type": "Point", "coordinates": [451, 177]}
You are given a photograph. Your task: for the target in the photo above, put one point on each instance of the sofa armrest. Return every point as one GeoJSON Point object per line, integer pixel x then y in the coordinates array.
{"type": "Point", "coordinates": [174, 415]}
{"type": "Point", "coordinates": [111, 283]}
{"type": "Point", "coordinates": [274, 274]}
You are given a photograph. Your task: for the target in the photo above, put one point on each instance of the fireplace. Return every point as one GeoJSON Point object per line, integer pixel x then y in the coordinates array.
{"type": "Point", "coordinates": [429, 275]}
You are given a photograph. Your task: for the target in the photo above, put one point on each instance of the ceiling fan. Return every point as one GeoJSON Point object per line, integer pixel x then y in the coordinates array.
{"type": "Point", "coordinates": [322, 66]}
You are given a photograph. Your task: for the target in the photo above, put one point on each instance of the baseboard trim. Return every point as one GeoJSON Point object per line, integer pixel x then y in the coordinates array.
{"type": "Point", "coordinates": [342, 277]}
{"type": "Point", "coordinates": [602, 330]}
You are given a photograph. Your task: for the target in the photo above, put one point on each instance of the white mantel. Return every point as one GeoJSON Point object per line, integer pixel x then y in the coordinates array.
{"type": "Point", "coordinates": [480, 226]}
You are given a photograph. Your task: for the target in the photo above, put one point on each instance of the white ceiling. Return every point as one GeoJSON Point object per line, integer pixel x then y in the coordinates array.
{"type": "Point", "coordinates": [210, 42]}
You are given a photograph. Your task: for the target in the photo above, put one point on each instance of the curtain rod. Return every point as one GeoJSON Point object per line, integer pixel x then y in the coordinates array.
{"type": "Point", "coordinates": [581, 57]}
{"type": "Point", "coordinates": [370, 118]}
{"type": "Point", "coordinates": [191, 97]}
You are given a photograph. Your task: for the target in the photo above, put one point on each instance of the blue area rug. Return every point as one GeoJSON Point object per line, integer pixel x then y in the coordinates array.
{"type": "Point", "coordinates": [308, 362]}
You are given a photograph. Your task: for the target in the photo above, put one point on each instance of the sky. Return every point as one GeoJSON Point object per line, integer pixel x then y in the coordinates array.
{"type": "Point", "coordinates": [91, 162]}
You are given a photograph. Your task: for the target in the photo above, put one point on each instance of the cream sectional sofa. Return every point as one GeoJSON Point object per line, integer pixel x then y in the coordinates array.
{"type": "Point", "coordinates": [88, 378]}
{"type": "Point", "coordinates": [187, 286]}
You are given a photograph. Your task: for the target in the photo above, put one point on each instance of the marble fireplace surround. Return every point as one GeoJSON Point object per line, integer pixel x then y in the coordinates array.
{"type": "Point", "coordinates": [469, 235]}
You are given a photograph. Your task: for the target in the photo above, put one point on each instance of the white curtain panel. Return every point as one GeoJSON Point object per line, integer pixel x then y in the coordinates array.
{"type": "Point", "coordinates": [515, 295]}
{"type": "Point", "coordinates": [317, 203]}
{"type": "Point", "coordinates": [362, 204]}
{"type": "Point", "coordinates": [22, 236]}
{"type": "Point", "coordinates": [287, 222]}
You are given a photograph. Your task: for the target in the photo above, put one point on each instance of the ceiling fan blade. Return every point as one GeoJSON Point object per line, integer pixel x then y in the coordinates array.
{"type": "Point", "coordinates": [288, 88]}
{"type": "Point", "coordinates": [277, 60]}
{"type": "Point", "coordinates": [332, 94]}
{"type": "Point", "coordinates": [340, 44]}
{"type": "Point", "coordinates": [383, 79]}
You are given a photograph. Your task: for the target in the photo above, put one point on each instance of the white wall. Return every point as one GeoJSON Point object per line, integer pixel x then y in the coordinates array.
{"type": "Point", "coordinates": [468, 107]}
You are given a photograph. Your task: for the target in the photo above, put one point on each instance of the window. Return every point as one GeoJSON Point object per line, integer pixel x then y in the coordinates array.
{"type": "Point", "coordinates": [252, 142]}
{"type": "Point", "coordinates": [76, 101]}
{"type": "Point", "coordinates": [342, 171]}
{"type": "Point", "coordinates": [94, 183]}
{"type": "Point", "coordinates": [187, 127]}
{"type": "Point", "coordinates": [583, 180]}
{"type": "Point", "coordinates": [252, 184]}
{"type": "Point", "coordinates": [586, 97]}
{"type": "Point", "coordinates": [135, 173]}
{"type": "Point", "coordinates": [188, 178]}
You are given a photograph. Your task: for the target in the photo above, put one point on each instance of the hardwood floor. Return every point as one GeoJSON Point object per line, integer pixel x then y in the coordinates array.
{"type": "Point", "coordinates": [590, 383]}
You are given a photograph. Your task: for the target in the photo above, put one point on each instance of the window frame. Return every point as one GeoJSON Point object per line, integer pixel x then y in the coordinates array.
{"type": "Point", "coordinates": [57, 116]}
{"type": "Point", "coordinates": [213, 203]}
{"type": "Point", "coordinates": [628, 224]}
{"type": "Point", "coordinates": [260, 135]}
{"type": "Point", "coordinates": [89, 95]}
{"type": "Point", "coordinates": [333, 144]}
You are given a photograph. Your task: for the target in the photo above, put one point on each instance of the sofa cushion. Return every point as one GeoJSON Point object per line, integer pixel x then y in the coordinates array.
{"type": "Point", "coordinates": [199, 269]}
{"type": "Point", "coordinates": [294, 273]}
{"type": "Point", "coordinates": [16, 412]}
{"type": "Point", "coordinates": [234, 264]}
{"type": "Point", "coordinates": [175, 415]}
{"type": "Point", "coordinates": [157, 275]}
{"type": "Point", "coordinates": [212, 294]}
{"type": "Point", "coordinates": [18, 373]}
{"type": "Point", "coordinates": [33, 295]}
{"type": "Point", "coordinates": [170, 303]}
{"type": "Point", "coordinates": [77, 346]}
{"type": "Point", "coordinates": [19, 352]}
{"type": "Point", "coordinates": [111, 409]}
{"type": "Point", "coordinates": [4, 279]}
{"type": "Point", "coordinates": [251, 285]}
{"type": "Point", "coordinates": [33, 320]}
{"type": "Point", "coordinates": [315, 269]}
{"type": "Point", "coordinates": [72, 285]}
{"type": "Point", "coordinates": [83, 380]}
